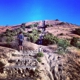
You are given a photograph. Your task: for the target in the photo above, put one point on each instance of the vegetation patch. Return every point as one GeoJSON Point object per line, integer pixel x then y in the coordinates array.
{"type": "Point", "coordinates": [1, 67]}
{"type": "Point", "coordinates": [62, 46]}
{"type": "Point", "coordinates": [75, 42]}
{"type": "Point", "coordinates": [49, 39]}
{"type": "Point", "coordinates": [40, 54]}
{"type": "Point", "coordinates": [38, 59]}
{"type": "Point", "coordinates": [77, 31]}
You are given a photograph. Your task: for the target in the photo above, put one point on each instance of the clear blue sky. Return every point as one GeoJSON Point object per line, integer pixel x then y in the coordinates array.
{"type": "Point", "coordinates": [14, 12]}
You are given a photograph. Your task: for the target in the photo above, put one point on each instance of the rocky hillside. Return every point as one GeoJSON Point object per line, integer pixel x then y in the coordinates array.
{"type": "Point", "coordinates": [16, 65]}
{"type": "Point", "coordinates": [57, 58]}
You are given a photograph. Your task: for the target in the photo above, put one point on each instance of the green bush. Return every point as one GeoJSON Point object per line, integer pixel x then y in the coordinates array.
{"type": "Point", "coordinates": [32, 38]}
{"type": "Point", "coordinates": [14, 33]}
{"type": "Point", "coordinates": [35, 31]}
{"type": "Point", "coordinates": [40, 54]}
{"type": "Point", "coordinates": [60, 50]}
{"type": "Point", "coordinates": [62, 46]}
{"type": "Point", "coordinates": [63, 43]}
{"type": "Point", "coordinates": [26, 34]}
{"type": "Point", "coordinates": [8, 32]}
{"type": "Point", "coordinates": [18, 30]}
{"type": "Point", "coordinates": [35, 38]}
{"type": "Point", "coordinates": [50, 39]}
{"type": "Point", "coordinates": [9, 39]}
{"type": "Point", "coordinates": [38, 59]}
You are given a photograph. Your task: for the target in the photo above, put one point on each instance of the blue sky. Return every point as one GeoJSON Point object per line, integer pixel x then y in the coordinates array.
{"type": "Point", "coordinates": [13, 12]}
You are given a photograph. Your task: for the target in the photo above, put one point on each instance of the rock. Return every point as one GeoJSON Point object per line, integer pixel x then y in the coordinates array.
{"type": "Point", "coordinates": [52, 67]}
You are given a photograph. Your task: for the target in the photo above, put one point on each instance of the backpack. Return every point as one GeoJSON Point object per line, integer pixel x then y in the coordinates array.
{"type": "Point", "coordinates": [21, 37]}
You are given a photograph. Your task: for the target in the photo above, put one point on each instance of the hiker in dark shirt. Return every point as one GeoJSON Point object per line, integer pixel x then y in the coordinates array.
{"type": "Point", "coordinates": [20, 40]}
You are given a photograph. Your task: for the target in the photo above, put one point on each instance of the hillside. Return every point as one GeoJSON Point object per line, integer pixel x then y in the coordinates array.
{"type": "Point", "coordinates": [56, 58]}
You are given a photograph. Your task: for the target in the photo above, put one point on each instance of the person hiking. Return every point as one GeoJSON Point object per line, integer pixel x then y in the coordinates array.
{"type": "Point", "coordinates": [20, 40]}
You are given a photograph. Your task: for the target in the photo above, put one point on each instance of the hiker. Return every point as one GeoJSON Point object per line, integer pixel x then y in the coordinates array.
{"type": "Point", "coordinates": [20, 40]}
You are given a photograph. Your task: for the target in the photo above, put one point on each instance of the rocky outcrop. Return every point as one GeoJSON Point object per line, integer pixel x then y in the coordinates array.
{"type": "Point", "coordinates": [25, 66]}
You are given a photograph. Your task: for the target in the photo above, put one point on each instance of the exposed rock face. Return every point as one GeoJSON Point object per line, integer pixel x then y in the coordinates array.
{"type": "Point", "coordinates": [24, 65]}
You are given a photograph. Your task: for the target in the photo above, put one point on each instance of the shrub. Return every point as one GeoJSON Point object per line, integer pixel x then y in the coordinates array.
{"type": "Point", "coordinates": [1, 67]}
{"type": "Point", "coordinates": [49, 39]}
{"type": "Point", "coordinates": [18, 30]}
{"type": "Point", "coordinates": [47, 25]}
{"type": "Point", "coordinates": [1, 35]}
{"type": "Point", "coordinates": [9, 39]}
{"type": "Point", "coordinates": [25, 34]}
{"type": "Point", "coordinates": [11, 61]}
{"type": "Point", "coordinates": [38, 59]}
{"type": "Point", "coordinates": [62, 46]}
{"type": "Point", "coordinates": [35, 38]}
{"type": "Point", "coordinates": [8, 32]}
{"type": "Point", "coordinates": [39, 31]}
{"type": "Point", "coordinates": [74, 41]}
{"type": "Point", "coordinates": [63, 43]}
{"type": "Point", "coordinates": [29, 26]}
{"type": "Point", "coordinates": [32, 37]}
{"type": "Point", "coordinates": [77, 31]}
{"type": "Point", "coordinates": [35, 31]}
{"type": "Point", "coordinates": [61, 34]}
{"type": "Point", "coordinates": [40, 54]}
{"type": "Point", "coordinates": [14, 33]}
{"type": "Point", "coordinates": [78, 45]}
{"type": "Point", "coordinates": [61, 23]}
{"type": "Point", "coordinates": [60, 50]}
{"type": "Point", "coordinates": [36, 24]}
{"type": "Point", "coordinates": [1, 64]}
